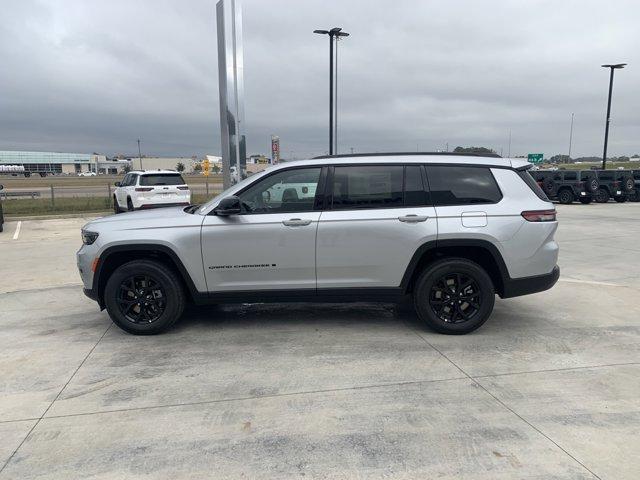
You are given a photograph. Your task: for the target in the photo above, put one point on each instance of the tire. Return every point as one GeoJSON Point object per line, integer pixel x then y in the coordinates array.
{"type": "Point", "coordinates": [636, 197]}
{"type": "Point", "coordinates": [129, 205]}
{"type": "Point", "coordinates": [592, 185]}
{"type": "Point", "coordinates": [548, 186]}
{"type": "Point", "coordinates": [162, 289]}
{"type": "Point", "coordinates": [628, 184]}
{"type": "Point", "coordinates": [426, 296]}
{"type": "Point", "coordinates": [116, 207]}
{"type": "Point", "coordinates": [565, 196]}
{"type": "Point", "coordinates": [602, 196]}
{"type": "Point", "coordinates": [621, 198]}
{"type": "Point", "coordinates": [585, 200]}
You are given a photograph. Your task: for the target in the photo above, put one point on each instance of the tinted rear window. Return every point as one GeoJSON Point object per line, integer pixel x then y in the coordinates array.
{"type": "Point", "coordinates": [162, 179]}
{"type": "Point", "coordinates": [533, 185]}
{"type": "Point", "coordinates": [453, 185]}
{"type": "Point", "coordinates": [367, 187]}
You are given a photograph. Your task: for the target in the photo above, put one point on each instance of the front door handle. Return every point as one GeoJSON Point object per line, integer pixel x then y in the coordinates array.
{"type": "Point", "coordinates": [412, 218]}
{"type": "Point", "coordinates": [296, 222]}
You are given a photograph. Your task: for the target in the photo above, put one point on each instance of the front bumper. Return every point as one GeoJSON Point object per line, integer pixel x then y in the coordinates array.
{"type": "Point", "coordinates": [516, 287]}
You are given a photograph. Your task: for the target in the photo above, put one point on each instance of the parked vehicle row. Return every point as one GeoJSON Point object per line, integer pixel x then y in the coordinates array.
{"type": "Point", "coordinates": [586, 186]}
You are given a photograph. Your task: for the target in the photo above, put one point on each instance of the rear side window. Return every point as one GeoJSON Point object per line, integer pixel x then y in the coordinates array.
{"type": "Point", "coordinates": [378, 186]}
{"type": "Point", "coordinates": [162, 179]}
{"type": "Point", "coordinates": [570, 176]}
{"type": "Point", "coordinates": [533, 185]}
{"type": "Point", "coordinates": [605, 175]}
{"type": "Point", "coordinates": [454, 185]}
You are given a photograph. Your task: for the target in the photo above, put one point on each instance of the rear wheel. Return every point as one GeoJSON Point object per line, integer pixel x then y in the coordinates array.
{"type": "Point", "coordinates": [116, 207]}
{"type": "Point", "coordinates": [129, 205]}
{"type": "Point", "coordinates": [620, 198]}
{"type": "Point", "coordinates": [585, 200]}
{"type": "Point", "coordinates": [636, 197]}
{"type": "Point", "coordinates": [144, 297]}
{"type": "Point", "coordinates": [565, 196]}
{"type": "Point", "coordinates": [454, 296]}
{"type": "Point", "coordinates": [602, 196]}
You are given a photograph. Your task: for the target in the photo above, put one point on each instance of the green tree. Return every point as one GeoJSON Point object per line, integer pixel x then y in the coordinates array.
{"type": "Point", "coordinates": [180, 167]}
{"type": "Point", "coordinates": [197, 168]}
{"type": "Point", "coordinates": [481, 150]}
{"type": "Point", "coordinates": [126, 169]}
{"type": "Point", "coordinates": [215, 168]}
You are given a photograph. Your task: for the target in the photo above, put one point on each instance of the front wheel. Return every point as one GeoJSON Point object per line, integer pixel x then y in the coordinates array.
{"type": "Point", "coordinates": [602, 196]}
{"type": "Point", "coordinates": [620, 198]}
{"type": "Point", "coordinates": [585, 200]}
{"type": "Point", "coordinates": [144, 297]}
{"type": "Point", "coordinates": [454, 296]}
{"type": "Point", "coordinates": [565, 197]}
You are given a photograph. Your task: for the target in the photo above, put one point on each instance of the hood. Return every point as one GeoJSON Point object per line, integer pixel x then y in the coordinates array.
{"type": "Point", "coordinates": [146, 218]}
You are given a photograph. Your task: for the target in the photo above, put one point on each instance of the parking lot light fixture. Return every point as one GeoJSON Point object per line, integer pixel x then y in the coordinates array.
{"type": "Point", "coordinates": [612, 67]}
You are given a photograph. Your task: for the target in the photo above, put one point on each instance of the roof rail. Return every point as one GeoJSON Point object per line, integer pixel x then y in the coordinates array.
{"type": "Point", "coordinates": [389, 154]}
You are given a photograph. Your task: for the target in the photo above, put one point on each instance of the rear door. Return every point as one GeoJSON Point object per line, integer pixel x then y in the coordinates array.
{"type": "Point", "coordinates": [375, 218]}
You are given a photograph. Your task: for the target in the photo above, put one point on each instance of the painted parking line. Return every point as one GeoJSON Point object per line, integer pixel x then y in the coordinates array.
{"type": "Point", "coordinates": [17, 233]}
{"type": "Point", "coordinates": [590, 282]}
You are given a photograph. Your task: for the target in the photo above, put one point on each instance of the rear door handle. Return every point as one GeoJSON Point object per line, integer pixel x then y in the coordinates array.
{"type": "Point", "coordinates": [413, 218]}
{"type": "Point", "coordinates": [296, 222]}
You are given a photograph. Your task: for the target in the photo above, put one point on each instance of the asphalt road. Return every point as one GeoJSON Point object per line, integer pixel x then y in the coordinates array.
{"type": "Point", "coordinates": [548, 388]}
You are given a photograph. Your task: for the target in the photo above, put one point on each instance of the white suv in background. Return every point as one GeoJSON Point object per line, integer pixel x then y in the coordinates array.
{"type": "Point", "coordinates": [149, 189]}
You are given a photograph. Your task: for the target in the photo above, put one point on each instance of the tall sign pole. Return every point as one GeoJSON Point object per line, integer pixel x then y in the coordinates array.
{"type": "Point", "coordinates": [231, 91]}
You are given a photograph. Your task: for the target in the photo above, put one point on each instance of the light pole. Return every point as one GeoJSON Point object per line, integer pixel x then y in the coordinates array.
{"type": "Point", "coordinates": [570, 137]}
{"type": "Point", "coordinates": [139, 155]}
{"type": "Point", "coordinates": [334, 32]}
{"type": "Point", "coordinates": [606, 128]}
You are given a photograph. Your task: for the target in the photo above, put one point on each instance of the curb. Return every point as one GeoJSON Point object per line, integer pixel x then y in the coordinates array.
{"type": "Point", "coordinates": [22, 218]}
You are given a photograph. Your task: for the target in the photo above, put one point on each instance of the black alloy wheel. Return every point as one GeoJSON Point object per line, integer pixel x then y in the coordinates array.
{"type": "Point", "coordinates": [129, 205]}
{"type": "Point", "coordinates": [454, 296]}
{"type": "Point", "coordinates": [144, 297]}
{"type": "Point", "coordinates": [141, 299]}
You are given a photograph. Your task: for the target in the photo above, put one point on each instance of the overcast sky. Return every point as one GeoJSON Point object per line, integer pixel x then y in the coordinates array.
{"type": "Point", "coordinates": [86, 76]}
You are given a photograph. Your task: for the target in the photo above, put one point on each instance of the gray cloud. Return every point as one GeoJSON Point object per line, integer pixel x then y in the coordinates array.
{"type": "Point", "coordinates": [95, 76]}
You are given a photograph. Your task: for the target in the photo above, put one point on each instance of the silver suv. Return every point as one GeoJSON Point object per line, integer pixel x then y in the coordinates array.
{"type": "Point", "coordinates": [450, 230]}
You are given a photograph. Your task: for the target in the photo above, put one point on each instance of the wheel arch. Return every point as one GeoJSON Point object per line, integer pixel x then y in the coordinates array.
{"type": "Point", "coordinates": [482, 252]}
{"type": "Point", "coordinates": [117, 255]}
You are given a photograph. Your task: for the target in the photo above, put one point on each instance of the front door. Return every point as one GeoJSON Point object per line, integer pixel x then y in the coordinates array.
{"type": "Point", "coordinates": [377, 217]}
{"type": "Point", "coordinates": [271, 244]}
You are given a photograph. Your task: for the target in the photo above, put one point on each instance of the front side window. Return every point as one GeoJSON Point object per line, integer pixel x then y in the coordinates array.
{"type": "Point", "coordinates": [378, 186]}
{"type": "Point", "coordinates": [125, 180]}
{"type": "Point", "coordinates": [461, 185]}
{"type": "Point", "coordinates": [287, 191]}
{"type": "Point", "coordinates": [162, 179]}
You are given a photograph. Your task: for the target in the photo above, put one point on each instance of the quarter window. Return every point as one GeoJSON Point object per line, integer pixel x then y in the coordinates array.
{"type": "Point", "coordinates": [453, 185]}
{"type": "Point", "coordinates": [287, 191]}
{"type": "Point", "coordinates": [378, 186]}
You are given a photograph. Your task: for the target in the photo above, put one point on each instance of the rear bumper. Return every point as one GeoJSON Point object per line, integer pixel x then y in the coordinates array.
{"type": "Point", "coordinates": [516, 287]}
{"type": "Point", "coordinates": [146, 206]}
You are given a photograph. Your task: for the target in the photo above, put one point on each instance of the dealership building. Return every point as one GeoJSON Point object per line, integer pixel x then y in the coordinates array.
{"type": "Point", "coordinates": [49, 163]}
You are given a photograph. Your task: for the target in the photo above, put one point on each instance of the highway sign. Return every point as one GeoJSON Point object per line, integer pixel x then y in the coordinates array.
{"type": "Point", "coordinates": [535, 157]}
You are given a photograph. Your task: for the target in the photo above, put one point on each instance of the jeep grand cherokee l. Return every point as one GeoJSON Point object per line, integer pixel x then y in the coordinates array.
{"type": "Point", "coordinates": [452, 231]}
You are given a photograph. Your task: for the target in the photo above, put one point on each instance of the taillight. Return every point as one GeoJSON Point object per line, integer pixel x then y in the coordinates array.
{"type": "Point", "coordinates": [616, 184]}
{"type": "Point", "coordinates": [183, 188]}
{"type": "Point", "coordinates": [580, 184]}
{"type": "Point", "coordinates": [539, 215]}
{"type": "Point", "coordinates": [147, 189]}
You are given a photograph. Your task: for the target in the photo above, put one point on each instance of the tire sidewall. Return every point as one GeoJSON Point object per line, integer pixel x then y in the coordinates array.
{"type": "Point", "coordinates": [166, 278]}
{"type": "Point", "coordinates": [437, 270]}
{"type": "Point", "coordinates": [600, 197]}
{"type": "Point", "coordinates": [565, 196]}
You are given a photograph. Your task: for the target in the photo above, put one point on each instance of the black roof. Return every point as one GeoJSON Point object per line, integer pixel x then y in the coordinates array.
{"type": "Point", "coordinates": [391, 154]}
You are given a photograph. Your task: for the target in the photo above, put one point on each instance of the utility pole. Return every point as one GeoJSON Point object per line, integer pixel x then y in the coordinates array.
{"type": "Point", "coordinates": [509, 152]}
{"type": "Point", "coordinates": [139, 155]}
{"type": "Point", "coordinates": [606, 128]}
{"type": "Point", "coordinates": [570, 137]}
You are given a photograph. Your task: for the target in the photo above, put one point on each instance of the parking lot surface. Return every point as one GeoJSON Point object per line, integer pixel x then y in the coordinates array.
{"type": "Point", "coordinates": [548, 388]}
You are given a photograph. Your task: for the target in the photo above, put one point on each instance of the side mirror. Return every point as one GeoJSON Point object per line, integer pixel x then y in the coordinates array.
{"type": "Point", "coordinates": [228, 206]}
{"type": "Point", "coordinates": [117, 184]}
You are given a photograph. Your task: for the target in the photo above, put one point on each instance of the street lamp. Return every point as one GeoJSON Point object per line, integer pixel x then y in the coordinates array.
{"type": "Point", "coordinates": [606, 128]}
{"type": "Point", "coordinates": [334, 32]}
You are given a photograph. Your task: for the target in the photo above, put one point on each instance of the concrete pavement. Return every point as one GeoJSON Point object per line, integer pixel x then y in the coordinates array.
{"type": "Point", "coordinates": [548, 388]}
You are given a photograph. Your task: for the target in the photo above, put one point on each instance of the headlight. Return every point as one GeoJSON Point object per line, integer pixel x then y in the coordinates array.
{"type": "Point", "coordinates": [89, 237]}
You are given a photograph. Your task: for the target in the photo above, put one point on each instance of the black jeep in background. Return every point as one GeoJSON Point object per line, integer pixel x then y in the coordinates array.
{"type": "Point", "coordinates": [616, 184]}
{"type": "Point", "coordinates": [636, 179]}
{"type": "Point", "coordinates": [566, 186]}
{"type": "Point", "coordinates": [1, 213]}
